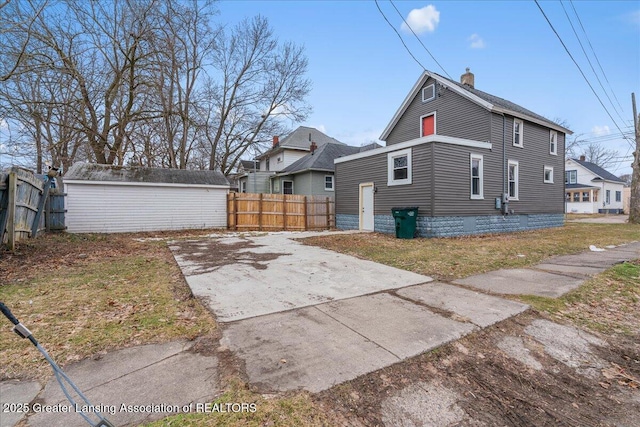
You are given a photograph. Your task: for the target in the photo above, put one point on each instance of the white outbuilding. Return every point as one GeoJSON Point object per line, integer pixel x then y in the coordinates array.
{"type": "Point", "coordinates": [113, 199]}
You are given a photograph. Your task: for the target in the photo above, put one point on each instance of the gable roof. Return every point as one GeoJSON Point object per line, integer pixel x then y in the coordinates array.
{"type": "Point", "coordinates": [300, 139]}
{"type": "Point", "coordinates": [598, 171]}
{"type": "Point", "coordinates": [249, 165]}
{"type": "Point", "coordinates": [110, 173]}
{"type": "Point", "coordinates": [577, 186]}
{"type": "Point", "coordinates": [485, 100]}
{"type": "Point", "coordinates": [322, 159]}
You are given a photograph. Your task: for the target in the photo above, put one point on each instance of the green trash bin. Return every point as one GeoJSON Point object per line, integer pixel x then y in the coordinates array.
{"type": "Point", "coordinates": [405, 222]}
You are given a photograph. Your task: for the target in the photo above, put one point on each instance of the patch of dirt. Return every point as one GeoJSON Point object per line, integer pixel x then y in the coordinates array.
{"type": "Point", "coordinates": [211, 254]}
{"type": "Point", "coordinates": [481, 384]}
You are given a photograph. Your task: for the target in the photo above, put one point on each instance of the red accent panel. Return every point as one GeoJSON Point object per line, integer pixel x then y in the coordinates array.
{"type": "Point", "coordinates": [428, 125]}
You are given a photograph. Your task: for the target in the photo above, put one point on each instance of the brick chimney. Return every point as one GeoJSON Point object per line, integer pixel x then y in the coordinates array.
{"type": "Point", "coordinates": [583, 158]}
{"type": "Point", "coordinates": [313, 147]}
{"type": "Point", "coordinates": [276, 140]}
{"type": "Point", "coordinates": [467, 78]}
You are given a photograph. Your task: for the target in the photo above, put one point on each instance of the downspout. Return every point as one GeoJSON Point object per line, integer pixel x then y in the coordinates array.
{"type": "Point", "coordinates": [505, 205]}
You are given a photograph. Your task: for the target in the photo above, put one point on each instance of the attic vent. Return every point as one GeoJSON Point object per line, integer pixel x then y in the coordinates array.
{"type": "Point", "coordinates": [428, 93]}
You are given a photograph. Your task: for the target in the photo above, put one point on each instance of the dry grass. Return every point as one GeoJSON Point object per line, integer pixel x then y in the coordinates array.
{"type": "Point", "coordinates": [291, 410]}
{"type": "Point", "coordinates": [574, 216]}
{"type": "Point", "coordinates": [454, 258]}
{"type": "Point", "coordinates": [608, 303]}
{"type": "Point", "coordinates": [83, 295]}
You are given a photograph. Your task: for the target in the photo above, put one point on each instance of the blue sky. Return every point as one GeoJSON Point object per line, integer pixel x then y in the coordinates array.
{"type": "Point", "coordinates": [361, 72]}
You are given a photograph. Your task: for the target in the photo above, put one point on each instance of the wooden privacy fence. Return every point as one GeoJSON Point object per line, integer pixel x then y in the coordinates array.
{"type": "Point", "coordinates": [275, 212]}
{"type": "Point", "coordinates": [23, 200]}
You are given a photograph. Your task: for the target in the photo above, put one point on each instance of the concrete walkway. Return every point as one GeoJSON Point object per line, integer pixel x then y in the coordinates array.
{"type": "Point", "coordinates": [151, 381]}
{"type": "Point", "coordinates": [607, 219]}
{"type": "Point", "coordinates": [556, 276]}
{"type": "Point", "coordinates": [299, 317]}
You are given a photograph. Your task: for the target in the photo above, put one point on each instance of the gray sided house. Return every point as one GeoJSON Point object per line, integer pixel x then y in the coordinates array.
{"type": "Point", "coordinates": [472, 163]}
{"type": "Point", "coordinates": [313, 174]}
{"type": "Point", "coordinates": [282, 154]}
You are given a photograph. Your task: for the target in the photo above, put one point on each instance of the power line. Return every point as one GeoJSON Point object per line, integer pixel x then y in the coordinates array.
{"type": "Point", "coordinates": [595, 56]}
{"type": "Point", "coordinates": [399, 36]}
{"type": "Point", "coordinates": [589, 60]}
{"type": "Point", "coordinates": [418, 38]}
{"type": "Point", "coordinates": [624, 159]}
{"type": "Point", "coordinates": [579, 69]}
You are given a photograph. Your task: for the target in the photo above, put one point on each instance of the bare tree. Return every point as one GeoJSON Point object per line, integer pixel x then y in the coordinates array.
{"type": "Point", "coordinates": [626, 178]}
{"type": "Point", "coordinates": [260, 82]}
{"type": "Point", "coordinates": [17, 19]}
{"type": "Point", "coordinates": [147, 82]}
{"type": "Point", "coordinates": [184, 44]}
{"type": "Point", "coordinates": [596, 153]}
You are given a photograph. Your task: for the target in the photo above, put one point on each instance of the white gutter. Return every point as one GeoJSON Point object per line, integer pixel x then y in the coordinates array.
{"type": "Point", "coordinates": [418, 141]}
{"type": "Point", "coordinates": [141, 184]}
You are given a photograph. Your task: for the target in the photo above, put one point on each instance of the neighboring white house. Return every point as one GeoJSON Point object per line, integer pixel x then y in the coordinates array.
{"type": "Point", "coordinates": [113, 199]}
{"type": "Point", "coordinates": [592, 189]}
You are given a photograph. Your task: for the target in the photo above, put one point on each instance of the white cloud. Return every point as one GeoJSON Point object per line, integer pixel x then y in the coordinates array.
{"type": "Point", "coordinates": [3, 124]}
{"type": "Point", "coordinates": [601, 130]}
{"type": "Point", "coordinates": [321, 128]}
{"type": "Point", "coordinates": [476, 42]}
{"type": "Point", "coordinates": [422, 20]}
{"type": "Point", "coordinates": [633, 17]}
{"type": "Point", "coordinates": [359, 138]}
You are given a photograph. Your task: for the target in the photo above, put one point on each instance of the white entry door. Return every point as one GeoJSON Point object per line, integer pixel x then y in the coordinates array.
{"type": "Point", "coordinates": [366, 206]}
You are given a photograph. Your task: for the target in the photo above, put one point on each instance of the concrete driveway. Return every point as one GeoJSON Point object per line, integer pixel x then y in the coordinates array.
{"type": "Point", "coordinates": [248, 276]}
{"type": "Point", "coordinates": [302, 317]}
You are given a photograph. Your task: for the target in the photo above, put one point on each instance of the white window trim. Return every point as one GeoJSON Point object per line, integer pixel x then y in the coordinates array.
{"type": "Point", "coordinates": [292, 188]}
{"type": "Point", "coordinates": [569, 180]}
{"type": "Point", "coordinates": [481, 173]}
{"type": "Point", "coordinates": [433, 86]}
{"type": "Point", "coordinates": [553, 151]}
{"type": "Point", "coordinates": [332, 183]}
{"type": "Point", "coordinates": [516, 196]}
{"type": "Point", "coordinates": [435, 123]}
{"type": "Point", "coordinates": [521, 145]}
{"type": "Point", "coordinates": [390, 157]}
{"type": "Point", "coordinates": [544, 174]}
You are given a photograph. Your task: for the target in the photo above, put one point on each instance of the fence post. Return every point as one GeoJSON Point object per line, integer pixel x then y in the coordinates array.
{"type": "Point", "coordinates": [235, 211]}
{"type": "Point", "coordinates": [41, 203]}
{"type": "Point", "coordinates": [11, 210]}
{"type": "Point", "coordinates": [284, 212]}
{"type": "Point", "coordinates": [328, 214]}
{"type": "Point", "coordinates": [260, 212]}
{"type": "Point", "coordinates": [304, 212]}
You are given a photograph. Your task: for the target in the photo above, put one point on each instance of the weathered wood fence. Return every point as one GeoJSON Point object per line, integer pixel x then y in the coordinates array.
{"type": "Point", "coordinates": [23, 201]}
{"type": "Point", "coordinates": [275, 212]}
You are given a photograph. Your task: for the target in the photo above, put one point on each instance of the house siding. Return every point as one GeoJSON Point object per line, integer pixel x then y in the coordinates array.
{"type": "Point", "coordinates": [449, 107]}
{"type": "Point", "coordinates": [257, 182]}
{"type": "Point", "coordinates": [535, 196]}
{"type": "Point", "coordinates": [309, 183]}
{"type": "Point", "coordinates": [349, 175]}
{"type": "Point", "coordinates": [111, 208]}
{"type": "Point", "coordinates": [316, 183]}
{"type": "Point", "coordinates": [452, 185]}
